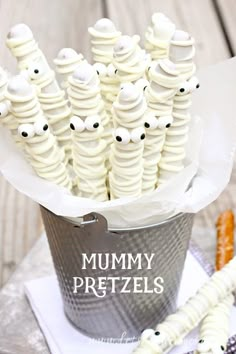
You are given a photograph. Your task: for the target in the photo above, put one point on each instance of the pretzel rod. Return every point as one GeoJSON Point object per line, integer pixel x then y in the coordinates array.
{"type": "Point", "coordinates": [225, 238]}
{"type": "Point", "coordinates": [176, 326]}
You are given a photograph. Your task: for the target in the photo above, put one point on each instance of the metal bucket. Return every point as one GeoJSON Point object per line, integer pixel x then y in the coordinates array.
{"type": "Point", "coordinates": [118, 316]}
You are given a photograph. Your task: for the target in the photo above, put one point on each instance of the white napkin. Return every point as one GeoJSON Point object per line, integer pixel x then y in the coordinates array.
{"type": "Point", "coordinates": [63, 338]}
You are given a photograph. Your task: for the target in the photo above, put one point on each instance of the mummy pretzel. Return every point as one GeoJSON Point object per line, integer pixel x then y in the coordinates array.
{"type": "Point", "coordinates": [88, 147]}
{"type": "Point", "coordinates": [214, 330]}
{"type": "Point", "coordinates": [40, 146]}
{"type": "Point", "coordinates": [175, 327]}
{"type": "Point", "coordinates": [66, 62]}
{"type": "Point", "coordinates": [104, 35]}
{"type": "Point", "coordinates": [174, 148]}
{"type": "Point", "coordinates": [129, 59]}
{"type": "Point", "coordinates": [127, 151]}
{"type": "Point", "coordinates": [158, 36]}
{"type": "Point", "coordinates": [164, 81]}
{"type": "Point", "coordinates": [6, 118]}
{"type": "Point", "coordinates": [23, 46]}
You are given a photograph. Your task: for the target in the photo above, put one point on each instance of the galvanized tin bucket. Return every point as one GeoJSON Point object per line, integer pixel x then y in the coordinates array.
{"type": "Point", "coordinates": [117, 316]}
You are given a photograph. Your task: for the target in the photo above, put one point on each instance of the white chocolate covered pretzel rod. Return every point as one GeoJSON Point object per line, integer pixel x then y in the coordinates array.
{"type": "Point", "coordinates": [176, 326]}
{"type": "Point", "coordinates": [164, 82]}
{"type": "Point", "coordinates": [129, 59]}
{"type": "Point", "coordinates": [88, 147]}
{"type": "Point", "coordinates": [104, 35]}
{"type": "Point", "coordinates": [6, 118]}
{"type": "Point", "coordinates": [215, 330]}
{"type": "Point", "coordinates": [40, 146]}
{"type": "Point", "coordinates": [127, 151]}
{"type": "Point", "coordinates": [66, 62]}
{"type": "Point", "coordinates": [158, 36]}
{"type": "Point", "coordinates": [23, 46]}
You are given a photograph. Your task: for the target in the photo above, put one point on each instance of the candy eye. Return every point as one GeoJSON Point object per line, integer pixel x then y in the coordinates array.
{"type": "Point", "coordinates": [26, 131]}
{"type": "Point", "coordinates": [157, 333]}
{"type": "Point", "coordinates": [77, 124]}
{"type": "Point", "coordinates": [201, 341]}
{"type": "Point", "coordinates": [92, 123]}
{"type": "Point", "coordinates": [137, 135]}
{"type": "Point", "coordinates": [184, 88]}
{"type": "Point", "coordinates": [165, 122]}
{"type": "Point", "coordinates": [193, 83]}
{"type": "Point", "coordinates": [100, 69]}
{"type": "Point", "coordinates": [151, 122]}
{"type": "Point", "coordinates": [111, 70]}
{"type": "Point", "coordinates": [222, 348]}
{"type": "Point", "coordinates": [3, 110]}
{"type": "Point", "coordinates": [122, 136]}
{"type": "Point", "coordinates": [41, 126]}
{"type": "Point", "coordinates": [35, 71]}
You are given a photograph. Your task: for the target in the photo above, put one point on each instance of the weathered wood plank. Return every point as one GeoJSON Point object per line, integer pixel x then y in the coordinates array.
{"type": "Point", "coordinates": [199, 19]}
{"type": "Point", "coordinates": [56, 24]}
{"type": "Point", "coordinates": [227, 9]}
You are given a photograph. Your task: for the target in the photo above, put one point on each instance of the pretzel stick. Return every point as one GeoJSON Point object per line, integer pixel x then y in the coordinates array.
{"type": "Point", "coordinates": [225, 238]}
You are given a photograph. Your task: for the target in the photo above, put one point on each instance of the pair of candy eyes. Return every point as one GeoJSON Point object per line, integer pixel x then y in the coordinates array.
{"type": "Point", "coordinates": [91, 123]}
{"type": "Point", "coordinates": [103, 70]}
{"type": "Point", "coordinates": [221, 347]}
{"type": "Point", "coordinates": [188, 86]}
{"type": "Point", "coordinates": [30, 130]}
{"type": "Point", "coordinates": [123, 136]}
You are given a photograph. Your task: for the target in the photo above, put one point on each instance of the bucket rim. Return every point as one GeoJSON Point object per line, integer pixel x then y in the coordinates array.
{"type": "Point", "coordinates": [75, 221]}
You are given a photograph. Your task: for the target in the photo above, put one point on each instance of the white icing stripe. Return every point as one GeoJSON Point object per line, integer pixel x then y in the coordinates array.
{"type": "Point", "coordinates": [175, 327]}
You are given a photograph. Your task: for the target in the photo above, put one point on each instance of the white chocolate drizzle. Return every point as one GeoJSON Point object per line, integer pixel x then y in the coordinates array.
{"type": "Point", "coordinates": [175, 327]}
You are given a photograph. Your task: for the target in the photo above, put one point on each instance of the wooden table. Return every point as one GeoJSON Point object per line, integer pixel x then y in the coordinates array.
{"type": "Point", "coordinates": [63, 23]}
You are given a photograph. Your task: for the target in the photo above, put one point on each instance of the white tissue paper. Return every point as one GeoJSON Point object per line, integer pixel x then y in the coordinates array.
{"type": "Point", "coordinates": [210, 154]}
